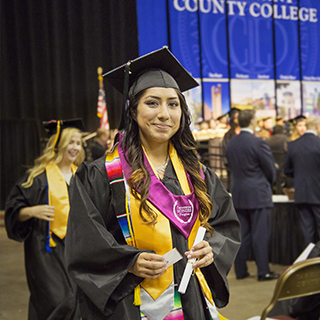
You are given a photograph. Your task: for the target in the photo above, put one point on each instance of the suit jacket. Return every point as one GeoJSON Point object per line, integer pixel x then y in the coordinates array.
{"type": "Point", "coordinates": [278, 147]}
{"type": "Point", "coordinates": [253, 169]}
{"type": "Point", "coordinates": [302, 163]}
{"type": "Point", "coordinates": [278, 143]}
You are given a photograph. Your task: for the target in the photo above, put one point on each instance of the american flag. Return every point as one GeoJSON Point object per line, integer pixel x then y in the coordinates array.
{"type": "Point", "coordinates": [102, 110]}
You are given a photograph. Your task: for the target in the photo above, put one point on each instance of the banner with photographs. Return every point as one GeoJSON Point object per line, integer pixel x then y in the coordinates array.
{"type": "Point", "coordinates": [255, 52]}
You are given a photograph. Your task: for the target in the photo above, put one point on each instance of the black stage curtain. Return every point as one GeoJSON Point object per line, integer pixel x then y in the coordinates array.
{"type": "Point", "coordinates": [286, 234]}
{"type": "Point", "coordinates": [50, 52]}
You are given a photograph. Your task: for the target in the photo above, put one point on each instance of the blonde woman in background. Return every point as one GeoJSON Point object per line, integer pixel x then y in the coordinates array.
{"type": "Point", "coordinates": [299, 127]}
{"type": "Point", "coordinates": [37, 212]}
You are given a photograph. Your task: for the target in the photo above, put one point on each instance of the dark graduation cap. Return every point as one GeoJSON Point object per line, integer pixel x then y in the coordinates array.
{"type": "Point", "coordinates": [278, 118]}
{"type": "Point", "coordinates": [229, 113]}
{"type": "Point", "coordinates": [233, 111]}
{"type": "Point", "coordinates": [159, 68]}
{"type": "Point", "coordinates": [297, 119]}
{"type": "Point", "coordinates": [223, 116]}
{"type": "Point", "coordinates": [57, 126]}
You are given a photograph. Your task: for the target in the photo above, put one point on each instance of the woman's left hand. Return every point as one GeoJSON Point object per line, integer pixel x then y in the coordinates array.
{"type": "Point", "coordinates": [202, 252]}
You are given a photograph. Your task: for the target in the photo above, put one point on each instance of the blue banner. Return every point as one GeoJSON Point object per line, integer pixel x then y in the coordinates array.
{"type": "Point", "coordinates": [287, 44]}
{"type": "Point", "coordinates": [152, 25]}
{"type": "Point", "coordinates": [184, 33]}
{"type": "Point", "coordinates": [250, 41]}
{"type": "Point", "coordinates": [310, 39]}
{"type": "Point", "coordinates": [240, 40]}
{"type": "Point", "coordinates": [214, 42]}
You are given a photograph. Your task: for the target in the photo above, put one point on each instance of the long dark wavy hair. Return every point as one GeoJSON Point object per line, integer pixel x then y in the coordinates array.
{"type": "Point", "coordinates": [184, 144]}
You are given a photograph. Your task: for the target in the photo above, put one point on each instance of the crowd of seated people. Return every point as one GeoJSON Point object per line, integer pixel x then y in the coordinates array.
{"type": "Point", "coordinates": [217, 132]}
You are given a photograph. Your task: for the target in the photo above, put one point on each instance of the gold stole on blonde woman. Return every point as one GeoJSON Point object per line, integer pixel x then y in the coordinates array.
{"type": "Point", "coordinates": [58, 198]}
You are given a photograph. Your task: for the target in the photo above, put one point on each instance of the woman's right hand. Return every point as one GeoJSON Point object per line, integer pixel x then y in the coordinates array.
{"type": "Point", "coordinates": [149, 266]}
{"type": "Point", "coordinates": [43, 212]}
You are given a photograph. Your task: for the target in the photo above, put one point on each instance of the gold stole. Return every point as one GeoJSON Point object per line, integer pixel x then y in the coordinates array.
{"type": "Point", "coordinates": [58, 198]}
{"type": "Point", "coordinates": [157, 237]}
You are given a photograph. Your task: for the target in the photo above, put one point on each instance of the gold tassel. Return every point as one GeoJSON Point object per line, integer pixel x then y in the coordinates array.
{"type": "Point", "coordinates": [52, 244]}
{"type": "Point", "coordinates": [57, 136]}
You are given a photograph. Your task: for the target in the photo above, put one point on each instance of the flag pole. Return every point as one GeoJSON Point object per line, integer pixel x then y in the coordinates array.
{"type": "Point", "coordinates": [100, 78]}
{"type": "Point", "coordinates": [102, 106]}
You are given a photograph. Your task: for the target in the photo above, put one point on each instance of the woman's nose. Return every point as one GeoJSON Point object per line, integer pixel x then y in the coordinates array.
{"type": "Point", "coordinates": [163, 111]}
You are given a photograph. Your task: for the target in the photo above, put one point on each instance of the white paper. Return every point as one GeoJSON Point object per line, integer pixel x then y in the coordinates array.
{"type": "Point", "coordinates": [172, 257]}
{"type": "Point", "coordinates": [188, 269]}
{"type": "Point", "coordinates": [305, 253]}
{"type": "Point", "coordinates": [258, 318]}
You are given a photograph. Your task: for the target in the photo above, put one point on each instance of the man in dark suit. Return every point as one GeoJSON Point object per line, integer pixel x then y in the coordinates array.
{"type": "Point", "coordinates": [302, 163]}
{"type": "Point", "coordinates": [253, 169]}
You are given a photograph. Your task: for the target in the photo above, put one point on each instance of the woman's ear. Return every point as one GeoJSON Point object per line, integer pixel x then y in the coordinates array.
{"type": "Point", "coordinates": [133, 114]}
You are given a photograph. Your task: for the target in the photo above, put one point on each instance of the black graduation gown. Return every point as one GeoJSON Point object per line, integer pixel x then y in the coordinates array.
{"type": "Point", "coordinates": [99, 259]}
{"type": "Point", "coordinates": [52, 291]}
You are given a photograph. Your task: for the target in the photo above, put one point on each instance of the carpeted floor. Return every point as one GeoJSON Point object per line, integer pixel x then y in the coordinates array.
{"type": "Point", "coordinates": [248, 296]}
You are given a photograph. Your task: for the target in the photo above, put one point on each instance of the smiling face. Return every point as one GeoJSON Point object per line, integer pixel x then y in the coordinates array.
{"type": "Point", "coordinates": [158, 115]}
{"type": "Point", "coordinates": [301, 127]}
{"type": "Point", "coordinates": [73, 149]}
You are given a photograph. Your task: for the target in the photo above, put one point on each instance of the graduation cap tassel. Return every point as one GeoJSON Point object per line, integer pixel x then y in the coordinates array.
{"type": "Point", "coordinates": [57, 139]}
{"type": "Point", "coordinates": [125, 95]}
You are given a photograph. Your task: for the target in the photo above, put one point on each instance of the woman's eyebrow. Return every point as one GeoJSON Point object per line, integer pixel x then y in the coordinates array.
{"type": "Point", "coordinates": [158, 97]}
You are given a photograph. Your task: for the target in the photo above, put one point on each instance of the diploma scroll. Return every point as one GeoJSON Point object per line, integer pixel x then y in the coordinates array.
{"type": "Point", "coordinates": [188, 269]}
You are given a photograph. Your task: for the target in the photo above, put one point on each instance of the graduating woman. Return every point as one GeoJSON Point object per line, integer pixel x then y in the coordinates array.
{"type": "Point", "coordinates": [37, 213]}
{"type": "Point", "coordinates": [150, 195]}
{"type": "Point", "coordinates": [299, 128]}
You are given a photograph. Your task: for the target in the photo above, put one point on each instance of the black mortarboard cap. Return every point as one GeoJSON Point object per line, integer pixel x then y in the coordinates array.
{"type": "Point", "coordinates": [57, 126]}
{"type": "Point", "coordinates": [223, 115]}
{"type": "Point", "coordinates": [233, 110]}
{"type": "Point", "coordinates": [159, 68]}
{"type": "Point", "coordinates": [297, 119]}
{"type": "Point", "coordinates": [229, 113]}
{"type": "Point", "coordinates": [160, 59]}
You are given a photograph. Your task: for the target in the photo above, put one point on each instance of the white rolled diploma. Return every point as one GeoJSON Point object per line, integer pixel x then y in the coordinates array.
{"type": "Point", "coordinates": [188, 269]}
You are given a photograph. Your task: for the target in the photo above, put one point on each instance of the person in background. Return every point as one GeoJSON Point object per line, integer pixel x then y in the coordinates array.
{"type": "Point", "coordinates": [233, 131]}
{"type": "Point", "coordinates": [100, 143]}
{"type": "Point", "coordinates": [212, 124]}
{"type": "Point", "coordinates": [259, 125]}
{"type": "Point", "coordinates": [299, 128]}
{"type": "Point", "coordinates": [266, 130]}
{"type": "Point", "coordinates": [234, 127]}
{"type": "Point", "coordinates": [203, 134]}
{"type": "Point", "coordinates": [279, 121]}
{"type": "Point", "coordinates": [302, 163]}
{"type": "Point", "coordinates": [150, 195]}
{"type": "Point", "coordinates": [253, 171]}
{"type": "Point", "coordinates": [36, 213]}
{"type": "Point", "coordinates": [278, 146]}
{"type": "Point", "coordinates": [222, 126]}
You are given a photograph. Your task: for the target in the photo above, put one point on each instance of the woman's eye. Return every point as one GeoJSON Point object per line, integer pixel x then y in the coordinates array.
{"type": "Point", "coordinates": [151, 103]}
{"type": "Point", "coordinates": [174, 104]}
